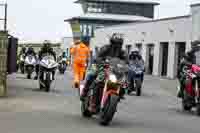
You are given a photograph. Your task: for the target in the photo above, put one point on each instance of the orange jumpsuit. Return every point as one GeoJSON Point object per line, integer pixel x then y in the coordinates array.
{"type": "Point", "coordinates": [80, 57]}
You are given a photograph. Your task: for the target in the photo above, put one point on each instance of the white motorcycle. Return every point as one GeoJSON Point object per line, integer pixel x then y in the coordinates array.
{"type": "Point", "coordinates": [47, 66]}
{"type": "Point", "coordinates": [30, 63]}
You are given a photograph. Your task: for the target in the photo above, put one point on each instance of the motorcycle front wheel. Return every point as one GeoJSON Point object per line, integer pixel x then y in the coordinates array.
{"type": "Point", "coordinates": [109, 110]}
{"type": "Point", "coordinates": [48, 83]}
{"type": "Point", "coordinates": [84, 108]}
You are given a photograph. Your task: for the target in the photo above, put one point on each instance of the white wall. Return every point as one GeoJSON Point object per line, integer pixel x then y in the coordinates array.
{"type": "Point", "coordinates": [156, 31]}
{"type": "Point", "coordinates": [66, 42]}
{"type": "Point", "coordinates": [195, 10]}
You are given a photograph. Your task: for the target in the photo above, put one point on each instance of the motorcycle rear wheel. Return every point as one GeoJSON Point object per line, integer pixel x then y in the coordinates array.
{"type": "Point", "coordinates": [108, 112]}
{"type": "Point", "coordinates": [138, 87]}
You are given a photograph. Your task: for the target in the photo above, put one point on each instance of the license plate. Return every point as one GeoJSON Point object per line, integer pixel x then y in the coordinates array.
{"type": "Point", "coordinates": [50, 74]}
{"type": "Point", "coordinates": [44, 76]}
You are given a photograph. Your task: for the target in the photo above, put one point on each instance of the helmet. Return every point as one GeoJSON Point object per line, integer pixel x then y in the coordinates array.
{"type": "Point", "coordinates": [47, 44]}
{"type": "Point", "coordinates": [76, 42]}
{"type": "Point", "coordinates": [30, 48]}
{"type": "Point", "coordinates": [195, 44]}
{"type": "Point", "coordinates": [85, 40]}
{"type": "Point", "coordinates": [135, 51]}
{"type": "Point", "coordinates": [116, 39]}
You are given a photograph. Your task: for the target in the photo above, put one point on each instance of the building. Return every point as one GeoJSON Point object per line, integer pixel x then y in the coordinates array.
{"type": "Point", "coordinates": [104, 13]}
{"type": "Point", "coordinates": [66, 44]}
{"type": "Point", "coordinates": [162, 42]}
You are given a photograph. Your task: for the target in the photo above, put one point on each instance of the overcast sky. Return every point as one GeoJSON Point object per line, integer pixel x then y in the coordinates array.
{"type": "Point", "coordinates": [36, 20]}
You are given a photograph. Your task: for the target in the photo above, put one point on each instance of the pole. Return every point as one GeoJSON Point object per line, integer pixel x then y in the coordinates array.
{"type": "Point", "coordinates": [5, 19]}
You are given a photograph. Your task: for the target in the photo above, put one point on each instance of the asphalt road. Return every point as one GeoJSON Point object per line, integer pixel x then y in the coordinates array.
{"type": "Point", "coordinates": [27, 110]}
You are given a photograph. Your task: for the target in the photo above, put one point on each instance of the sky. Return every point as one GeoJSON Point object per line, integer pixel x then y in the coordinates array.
{"type": "Point", "coordinates": [38, 20]}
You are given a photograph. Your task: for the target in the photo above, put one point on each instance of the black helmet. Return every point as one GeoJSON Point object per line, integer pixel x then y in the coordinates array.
{"type": "Point", "coordinates": [85, 40]}
{"type": "Point", "coordinates": [30, 48]}
{"type": "Point", "coordinates": [195, 44]}
{"type": "Point", "coordinates": [47, 44]}
{"type": "Point", "coordinates": [116, 39]}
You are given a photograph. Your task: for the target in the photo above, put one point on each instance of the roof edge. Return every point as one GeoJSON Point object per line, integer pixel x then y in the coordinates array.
{"type": "Point", "coordinates": [149, 21]}
{"type": "Point", "coordinates": [142, 2]}
{"type": "Point", "coordinates": [195, 4]}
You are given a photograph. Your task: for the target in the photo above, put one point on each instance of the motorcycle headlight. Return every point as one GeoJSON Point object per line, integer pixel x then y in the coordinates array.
{"type": "Point", "coordinates": [193, 75]}
{"type": "Point", "coordinates": [113, 78]}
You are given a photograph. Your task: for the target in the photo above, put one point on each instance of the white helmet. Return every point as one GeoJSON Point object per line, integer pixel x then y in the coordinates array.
{"type": "Point", "coordinates": [135, 50]}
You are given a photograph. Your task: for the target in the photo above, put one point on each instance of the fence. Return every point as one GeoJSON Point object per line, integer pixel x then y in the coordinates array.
{"type": "Point", "coordinates": [3, 62]}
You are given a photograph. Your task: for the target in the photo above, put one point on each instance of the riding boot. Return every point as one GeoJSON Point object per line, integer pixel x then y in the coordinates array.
{"type": "Point", "coordinates": [85, 91]}
{"type": "Point", "coordinates": [181, 90]}
{"type": "Point", "coordinates": [122, 93]}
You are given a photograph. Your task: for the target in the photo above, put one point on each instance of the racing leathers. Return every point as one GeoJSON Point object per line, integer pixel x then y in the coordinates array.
{"type": "Point", "coordinates": [185, 63]}
{"type": "Point", "coordinates": [135, 59]}
{"type": "Point", "coordinates": [96, 74]}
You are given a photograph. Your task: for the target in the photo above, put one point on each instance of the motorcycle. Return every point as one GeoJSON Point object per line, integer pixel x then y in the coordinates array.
{"type": "Point", "coordinates": [46, 68]}
{"type": "Point", "coordinates": [191, 94]}
{"type": "Point", "coordinates": [108, 92]}
{"type": "Point", "coordinates": [21, 63]}
{"type": "Point", "coordinates": [62, 66]}
{"type": "Point", "coordinates": [136, 79]}
{"type": "Point", "coordinates": [30, 62]}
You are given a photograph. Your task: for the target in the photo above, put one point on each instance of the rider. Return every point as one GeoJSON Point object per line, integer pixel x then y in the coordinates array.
{"type": "Point", "coordinates": [114, 49]}
{"type": "Point", "coordinates": [186, 62]}
{"type": "Point", "coordinates": [22, 51]}
{"type": "Point", "coordinates": [44, 50]}
{"type": "Point", "coordinates": [30, 51]}
{"type": "Point", "coordinates": [135, 58]}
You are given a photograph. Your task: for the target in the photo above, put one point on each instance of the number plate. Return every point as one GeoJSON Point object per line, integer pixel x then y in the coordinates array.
{"type": "Point", "coordinates": [50, 74]}
{"type": "Point", "coordinates": [44, 76]}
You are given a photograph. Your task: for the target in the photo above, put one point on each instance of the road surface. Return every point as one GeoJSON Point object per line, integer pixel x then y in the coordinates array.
{"type": "Point", "coordinates": [27, 110]}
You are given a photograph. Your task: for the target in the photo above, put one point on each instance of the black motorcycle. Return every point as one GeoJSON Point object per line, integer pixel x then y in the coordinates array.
{"type": "Point", "coordinates": [62, 66]}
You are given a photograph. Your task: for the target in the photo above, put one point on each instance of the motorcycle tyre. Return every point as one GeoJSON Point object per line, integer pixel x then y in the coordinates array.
{"type": "Point", "coordinates": [108, 112]}
{"type": "Point", "coordinates": [84, 108]}
{"type": "Point", "coordinates": [48, 83]}
{"type": "Point", "coordinates": [138, 87]}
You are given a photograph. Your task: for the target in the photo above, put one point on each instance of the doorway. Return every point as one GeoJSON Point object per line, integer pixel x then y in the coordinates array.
{"type": "Point", "coordinates": [180, 51]}
{"type": "Point", "coordinates": [150, 58]}
{"type": "Point", "coordinates": [164, 58]}
{"type": "Point", "coordinates": [139, 46]}
{"type": "Point", "coordinates": [128, 48]}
